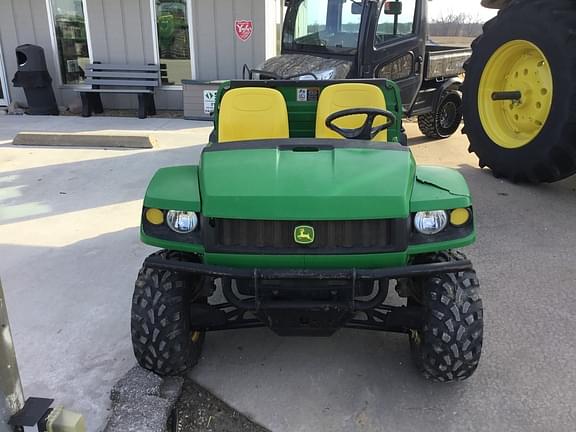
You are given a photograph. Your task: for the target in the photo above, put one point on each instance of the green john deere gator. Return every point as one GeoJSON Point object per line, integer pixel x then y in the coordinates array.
{"type": "Point", "coordinates": [303, 213]}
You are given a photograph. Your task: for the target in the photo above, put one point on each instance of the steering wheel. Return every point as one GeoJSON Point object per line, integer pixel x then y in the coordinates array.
{"type": "Point", "coordinates": [365, 132]}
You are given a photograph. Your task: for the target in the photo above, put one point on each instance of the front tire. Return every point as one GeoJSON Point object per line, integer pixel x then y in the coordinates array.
{"type": "Point", "coordinates": [449, 345]}
{"type": "Point", "coordinates": [162, 339]}
{"type": "Point", "coordinates": [445, 121]}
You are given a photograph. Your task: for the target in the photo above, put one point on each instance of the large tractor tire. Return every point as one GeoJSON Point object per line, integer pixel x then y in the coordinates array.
{"type": "Point", "coordinates": [526, 58]}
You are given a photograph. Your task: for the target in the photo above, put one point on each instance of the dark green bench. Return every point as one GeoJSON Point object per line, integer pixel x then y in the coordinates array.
{"type": "Point", "coordinates": [140, 80]}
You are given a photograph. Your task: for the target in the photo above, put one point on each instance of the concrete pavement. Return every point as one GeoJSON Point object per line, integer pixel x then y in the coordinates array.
{"type": "Point", "coordinates": [69, 253]}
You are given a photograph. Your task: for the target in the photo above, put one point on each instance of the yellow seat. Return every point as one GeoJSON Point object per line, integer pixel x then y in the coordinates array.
{"type": "Point", "coordinates": [339, 97]}
{"type": "Point", "coordinates": [252, 113]}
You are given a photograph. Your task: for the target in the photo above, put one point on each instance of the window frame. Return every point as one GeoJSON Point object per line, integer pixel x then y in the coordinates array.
{"type": "Point", "coordinates": [5, 100]}
{"type": "Point", "coordinates": [54, 43]}
{"type": "Point", "coordinates": [156, 45]}
{"type": "Point", "coordinates": [398, 37]}
{"type": "Point", "coordinates": [289, 33]}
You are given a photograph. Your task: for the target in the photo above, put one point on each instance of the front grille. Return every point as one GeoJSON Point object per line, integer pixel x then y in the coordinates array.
{"type": "Point", "coordinates": [331, 237]}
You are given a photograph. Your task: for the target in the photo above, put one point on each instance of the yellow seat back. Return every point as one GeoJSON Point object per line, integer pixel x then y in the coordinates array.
{"type": "Point", "coordinates": [252, 113]}
{"type": "Point", "coordinates": [339, 97]}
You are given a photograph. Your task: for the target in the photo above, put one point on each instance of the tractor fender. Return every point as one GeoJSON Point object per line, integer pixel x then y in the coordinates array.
{"type": "Point", "coordinates": [174, 188]}
{"type": "Point", "coordinates": [453, 83]}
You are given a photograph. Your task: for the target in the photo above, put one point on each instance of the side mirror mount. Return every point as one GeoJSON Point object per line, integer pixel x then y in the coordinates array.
{"type": "Point", "coordinates": [393, 8]}
{"type": "Point", "coordinates": [357, 8]}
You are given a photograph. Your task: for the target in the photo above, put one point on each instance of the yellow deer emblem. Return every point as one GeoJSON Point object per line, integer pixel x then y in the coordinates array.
{"type": "Point", "coordinates": [304, 235]}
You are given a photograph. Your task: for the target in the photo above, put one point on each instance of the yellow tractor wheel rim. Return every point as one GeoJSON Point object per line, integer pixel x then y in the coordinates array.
{"type": "Point", "coordinates": [518, 66]}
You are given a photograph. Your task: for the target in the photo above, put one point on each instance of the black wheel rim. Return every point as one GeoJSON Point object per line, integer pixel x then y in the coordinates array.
{"type": "Point", "coordinates": [448, 115]}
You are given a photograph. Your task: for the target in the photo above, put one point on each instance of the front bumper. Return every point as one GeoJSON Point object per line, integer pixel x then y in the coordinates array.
{"type": "Point", "coordinates": [353, 274]}
{"type": "Point", "coordinates": [305, 302]}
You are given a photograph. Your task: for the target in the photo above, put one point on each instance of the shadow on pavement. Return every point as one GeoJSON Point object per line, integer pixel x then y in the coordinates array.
{"type": "Point", "coordinates": [71, 187]}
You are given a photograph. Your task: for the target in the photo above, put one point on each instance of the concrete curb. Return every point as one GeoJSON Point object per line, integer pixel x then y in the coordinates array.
{"type": "Point", "coordinates": [83, 140]}
{"type": "Point", "coordinates": [143, 402]}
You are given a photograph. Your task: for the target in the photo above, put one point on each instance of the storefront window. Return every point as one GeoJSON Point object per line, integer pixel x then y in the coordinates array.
{"type": "Point", "coordinates": [174, 40]}
{"type": "Point", "coordinates": [70, 27]}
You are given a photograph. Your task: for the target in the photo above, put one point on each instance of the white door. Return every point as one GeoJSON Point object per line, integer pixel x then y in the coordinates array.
{"type": "Point", "coordinates": [3, 84]}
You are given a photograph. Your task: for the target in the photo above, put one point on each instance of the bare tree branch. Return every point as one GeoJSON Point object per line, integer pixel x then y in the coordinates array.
{"type": "Point", "coordinates": [456, 24]}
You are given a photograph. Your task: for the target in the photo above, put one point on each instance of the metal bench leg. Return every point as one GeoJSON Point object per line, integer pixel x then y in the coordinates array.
{"type": "Point", "coordinates": [142, 106]}
{"type": "Point", "coordinates": [97, 103]}
{"type": "Point", "coordinates": [151, 105]}
{"type": "Point", "coordinates": [86, 105]}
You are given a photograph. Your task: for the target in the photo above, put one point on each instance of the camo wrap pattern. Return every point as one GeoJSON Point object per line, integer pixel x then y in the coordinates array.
{"type": "Point", "coordinates": [294, 64]}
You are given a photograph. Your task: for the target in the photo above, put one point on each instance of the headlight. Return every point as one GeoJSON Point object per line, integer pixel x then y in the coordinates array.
{"type": "Point", "coordinates": [431, 222]}
{"type": "Point", "coordinates": [182, 222]}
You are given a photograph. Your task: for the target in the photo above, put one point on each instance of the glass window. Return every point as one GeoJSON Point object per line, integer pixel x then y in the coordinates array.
{"type": "Point", "coordinates": [395, 26]}
{"type": "Point", "coordinates": [329, 24]}
{"type": "Point", "coordinates": [70, 27]}
{"type": "Point", "coordinates": [174, 40]}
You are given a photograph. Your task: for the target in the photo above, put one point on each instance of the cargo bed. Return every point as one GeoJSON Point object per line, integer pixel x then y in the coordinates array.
{"type": "Point", "coordinates": [445, 61]}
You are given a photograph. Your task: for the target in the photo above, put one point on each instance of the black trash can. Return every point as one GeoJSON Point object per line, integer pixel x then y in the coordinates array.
{"type": "Point", "coordinates": [34, 78]}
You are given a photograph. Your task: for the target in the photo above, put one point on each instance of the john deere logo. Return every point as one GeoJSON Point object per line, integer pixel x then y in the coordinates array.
{"type": "Point", "coordinates": [304, 235]}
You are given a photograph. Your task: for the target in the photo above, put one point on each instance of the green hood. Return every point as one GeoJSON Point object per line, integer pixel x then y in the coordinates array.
{"type": "Point", "coordinates": [306, 180]}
